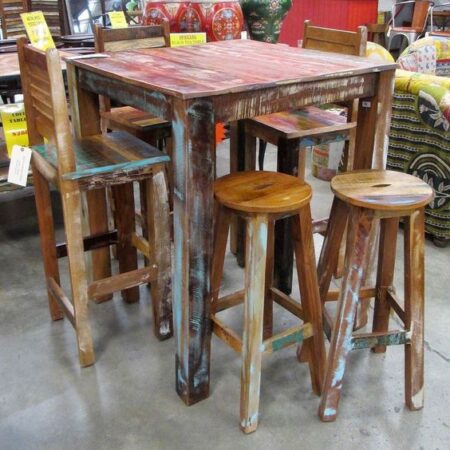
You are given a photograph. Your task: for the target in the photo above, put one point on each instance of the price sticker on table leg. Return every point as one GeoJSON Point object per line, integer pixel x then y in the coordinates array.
{"type": "Point", "coordinates": [19, 165]}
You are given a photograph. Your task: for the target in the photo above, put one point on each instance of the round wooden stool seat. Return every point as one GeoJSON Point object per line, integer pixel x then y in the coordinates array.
{"type": "Point", "coordinates": [382, 190]}
{"type": "Point", "coordinates": [262, 192]}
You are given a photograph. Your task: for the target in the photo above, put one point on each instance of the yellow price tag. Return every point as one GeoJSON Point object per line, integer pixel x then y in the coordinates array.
{"type": "Point", "coordinates": [37, 30]}
{"type": "Point", "coordinates": [117, 19]}
{"type": "Point", "coordinates": [180, 39]}
{"type": "Point", "coordinates": [14, 125]}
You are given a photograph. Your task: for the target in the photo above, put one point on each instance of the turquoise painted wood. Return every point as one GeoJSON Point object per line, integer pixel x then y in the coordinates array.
{"type": "Point", "coordinates": [105, 154]}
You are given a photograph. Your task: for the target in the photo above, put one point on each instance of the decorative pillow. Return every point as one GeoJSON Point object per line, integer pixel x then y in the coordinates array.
{"type": "Point", "coordinates": [443, 67]}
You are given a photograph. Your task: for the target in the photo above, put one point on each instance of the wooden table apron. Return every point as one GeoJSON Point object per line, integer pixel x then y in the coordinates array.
{"type": "Point", "coordinates": [229, 81]}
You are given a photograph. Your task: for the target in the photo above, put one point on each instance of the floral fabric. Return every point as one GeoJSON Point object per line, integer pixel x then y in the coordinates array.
{"type": "Point", "coordinates": [419, 138]}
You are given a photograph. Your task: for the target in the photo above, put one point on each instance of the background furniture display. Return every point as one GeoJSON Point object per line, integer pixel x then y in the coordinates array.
{"type": "Point", "coordinates": [53, 13]}
{"type": "Point", "coordinates": [421, 9]}
{"type": "Point", "coordinates": [440, 20]}
{"type": "Point", "coordinates": [89, 165]}
{"type": "Point", "coordinates": [221, 20]}
{"type": "Point", "coordinates": [362, 198]}
{"type": "Point", "coordinates": [419, 139]}
{"type": "Point", "coordinates": [11, 22]}
{"type": "Point", "coordinates": [264, 18]}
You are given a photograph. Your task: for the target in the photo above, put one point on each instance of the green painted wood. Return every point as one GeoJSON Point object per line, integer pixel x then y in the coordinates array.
{"type": "Point", "coordinates": [106, 154]}
{"type": "Point", "coordinates": [394, 338]}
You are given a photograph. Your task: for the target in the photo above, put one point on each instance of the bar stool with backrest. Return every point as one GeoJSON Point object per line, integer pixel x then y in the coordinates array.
{"type": "Point", "coordinates": [75, 166]}
{"type": "Point", "coordinates": [260, 198]}
{"type": "Point", "coordinates": [362, 198]}
{"type": "Point", "coordinates": [293, 131]}
{"type": "Point", "coordinates": [145, 126]}
{"type": "Point", "coordinates": [141, 124]}
{"type": "Point", "coordinates": [312, 125]}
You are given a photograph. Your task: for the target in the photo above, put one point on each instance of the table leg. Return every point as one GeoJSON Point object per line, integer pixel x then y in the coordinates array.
{"type": "Point", "coordinates": [374, 119]}
{"type": "Point", "coordinates": [86, 122]}
{"type": "Point", "coordinates": [193, 162]}
{"type": "Point", "coordinates": [287, 162]}
{"type": "Point", "coordinates": [242, 157]}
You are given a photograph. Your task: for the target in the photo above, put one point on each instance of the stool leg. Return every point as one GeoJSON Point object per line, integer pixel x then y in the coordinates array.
{"type": "Point", "coordinates": [330, 252]}
{"type": "Point", "coordinates": [158, 224]}
{"type": "Point", "coordinates": [414, 309]}
{"type": "Point", "coordinates": [125, 222]}
{"type": "Point", "coordinates": [287, 162]}
{"type": "Point", "coordinates": [77, 268]}
{"type": "Point", "coordinates": [328, 261]}
{"type": "Point", "coordinates": [360, 224]}
{"type": "Point", "coordinates": [268, 298]}
{"type": "Point", "coordinates": [47, 237]}
{"type": "Point", "coordinates": [98, 223]}
{"type": "Point", "coordinates": [385, 276]}
{"type": "Point", "coordinates": [309, 294]}
{"type": "Point", "coordinates": [221, 226]}
{"type": "Point", "coordinates": [253, 320]}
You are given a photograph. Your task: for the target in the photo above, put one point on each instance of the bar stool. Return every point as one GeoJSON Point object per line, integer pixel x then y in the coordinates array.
{"type": "Point", "coordinates": [362, 198]}
{"type": "Point", "coordinates": [261, 198]}
{"type": "Point", "coordinates": [77, 167]}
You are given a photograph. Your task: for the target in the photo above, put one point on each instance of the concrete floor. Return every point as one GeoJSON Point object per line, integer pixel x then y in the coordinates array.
{"type": "Point", "coordinates": [127, 400]}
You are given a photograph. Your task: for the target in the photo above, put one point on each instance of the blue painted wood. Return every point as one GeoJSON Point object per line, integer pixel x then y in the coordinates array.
{"type": "Point", "coordinates": [105, 154]}
{"type": "Point", "coordinates": [393, 338]}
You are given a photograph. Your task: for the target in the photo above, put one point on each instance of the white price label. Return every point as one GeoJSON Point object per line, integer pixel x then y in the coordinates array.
{"type": "Point", "coordinates": [19, 165]}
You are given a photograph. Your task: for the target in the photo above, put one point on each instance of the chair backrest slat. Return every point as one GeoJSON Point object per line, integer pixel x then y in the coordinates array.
{"type": "Point", "coordinates": [45, 102]}
{"type": "Point", "coordinates": [337, 41]}
{"type": "Point", "coordinates": [11, 22]}
{"type": "Point", "coordinates": [119, 39]}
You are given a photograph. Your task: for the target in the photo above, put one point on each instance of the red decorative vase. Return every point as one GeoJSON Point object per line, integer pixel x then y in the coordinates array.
{"type": "Point", "coordinates": [221, 20]}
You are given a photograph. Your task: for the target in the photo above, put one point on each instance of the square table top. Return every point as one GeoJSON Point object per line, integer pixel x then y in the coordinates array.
{"type": "Point", "coordinates": [224, 67]}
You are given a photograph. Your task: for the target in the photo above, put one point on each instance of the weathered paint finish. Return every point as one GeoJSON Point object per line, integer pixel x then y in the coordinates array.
{"type": "Point", "coordinates": [194, 159]}
{"type": "Point", "coordinates": [385, 277]}
{"type": "Point", "coordinates": [360, 224]}
{"type": "Point", "coordinates": [158, 213]}
{"type": "Point", "coordinates": [218, 72]}
{"type": "Point", "coordinates": [414, 238]}
{"type": "Point", "coordinates": [363, 215]}
{"type": "Point", "coordinates": [397, 338]}
{"type": "Point", "coordinates": [155, 103]}
{"type": "Point", "coordinates": [256, 249]}
{"type": "Point", "coordinates": [290, 337]}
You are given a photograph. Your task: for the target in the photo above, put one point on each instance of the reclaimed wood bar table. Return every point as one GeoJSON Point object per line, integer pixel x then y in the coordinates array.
{"type": "Point", "coordinates": [196, 87]}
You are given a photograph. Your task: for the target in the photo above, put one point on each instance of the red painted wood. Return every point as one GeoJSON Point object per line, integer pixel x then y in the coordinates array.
{"type": "Point", "coordinates": [219, 68]}
{"type": "Point", "coordinates": [340, 14]}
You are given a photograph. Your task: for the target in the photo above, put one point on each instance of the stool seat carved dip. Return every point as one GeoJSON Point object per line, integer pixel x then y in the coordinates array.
{"type": "Point", "coordinates": [261, 198]}
{"type": "Point", "coordinates": [361, 199]}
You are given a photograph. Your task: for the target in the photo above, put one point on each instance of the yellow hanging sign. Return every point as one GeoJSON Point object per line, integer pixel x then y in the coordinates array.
{"type": "Point", "coordinates": [117, 19]}
{"type": "Point", "coordinates": [37, 30]}
{"type": "Point", "coordinates": [14, 125]}
{"type": "Point", "coordinates": [181, 39]}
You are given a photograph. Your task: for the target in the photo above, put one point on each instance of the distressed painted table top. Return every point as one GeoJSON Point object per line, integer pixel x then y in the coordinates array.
{"type": "Point", "coordinates": [219, 68]}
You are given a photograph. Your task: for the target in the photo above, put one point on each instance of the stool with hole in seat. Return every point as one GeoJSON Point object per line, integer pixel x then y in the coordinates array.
{"type": "Point", "coordinates": [261, 198]}
{"type": "Point", "coordinates": [362, 198]}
